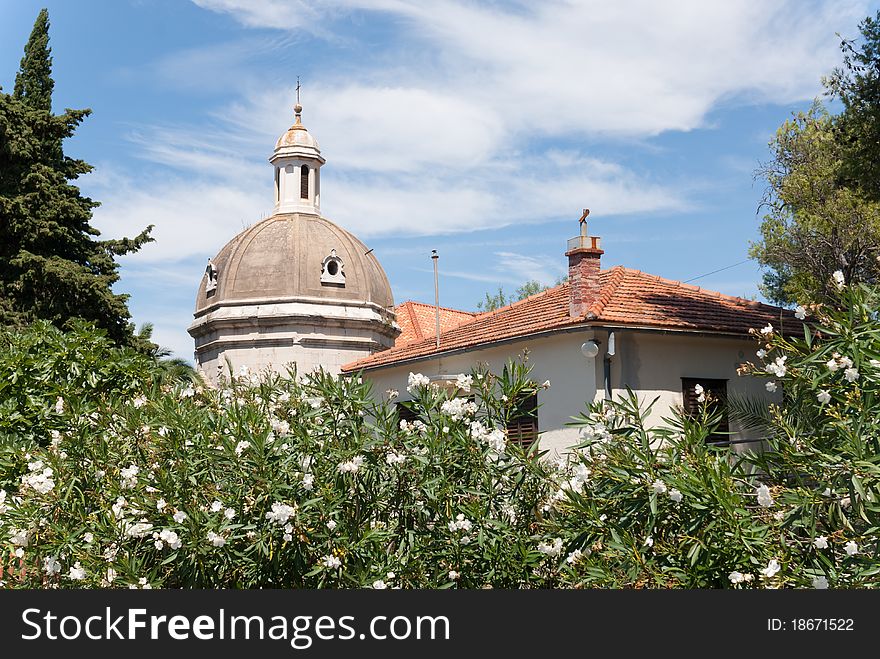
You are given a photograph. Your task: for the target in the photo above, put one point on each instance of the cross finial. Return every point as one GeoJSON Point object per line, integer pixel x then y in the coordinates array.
{"type": "Point", "coordinates": [297, 90]}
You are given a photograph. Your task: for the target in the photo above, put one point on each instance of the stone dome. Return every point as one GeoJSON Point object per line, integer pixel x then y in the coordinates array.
{"type": "Point", "coordinates": [294, 256]}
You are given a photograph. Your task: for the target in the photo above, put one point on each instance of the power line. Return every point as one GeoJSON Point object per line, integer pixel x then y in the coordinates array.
{"type": "Point", "coordinates": [687, 281]}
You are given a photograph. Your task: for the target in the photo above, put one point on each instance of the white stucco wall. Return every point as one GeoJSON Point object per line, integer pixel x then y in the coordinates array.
{"type": "Point", "coordinates": [650, 363]}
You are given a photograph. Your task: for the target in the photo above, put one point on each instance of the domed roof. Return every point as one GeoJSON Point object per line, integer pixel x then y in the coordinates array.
{"type": "Point", "coordinates": [287, 256]}
{"type": "Point", "coordinates": [297, 141]}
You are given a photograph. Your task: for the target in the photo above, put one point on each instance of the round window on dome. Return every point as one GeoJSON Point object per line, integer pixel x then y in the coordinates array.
{"type": "Point", "coordinates": [331, 270]}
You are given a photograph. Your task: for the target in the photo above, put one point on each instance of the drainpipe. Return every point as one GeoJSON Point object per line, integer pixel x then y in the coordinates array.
{"type": "Point", "coordinates": [609, 353]}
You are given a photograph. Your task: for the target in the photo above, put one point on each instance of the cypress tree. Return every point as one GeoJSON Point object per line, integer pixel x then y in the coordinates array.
{"type": "Point", "coordinates": [33, 83]}
{"type": "Point", "coordinates": [52, 266]}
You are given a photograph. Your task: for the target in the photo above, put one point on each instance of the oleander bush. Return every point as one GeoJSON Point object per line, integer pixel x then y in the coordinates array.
{"type": "Point", "coordinates": [270, 481]}
{"type": "Point", "coordinates": [113, 477]}
{"type": "Point", "coordinates": [662, 507]}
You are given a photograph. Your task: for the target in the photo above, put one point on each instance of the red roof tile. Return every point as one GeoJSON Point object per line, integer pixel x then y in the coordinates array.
{"type": "Point", "coordinates": [417, 321]}
{"type": "Point", "coordinates": [627, 297]}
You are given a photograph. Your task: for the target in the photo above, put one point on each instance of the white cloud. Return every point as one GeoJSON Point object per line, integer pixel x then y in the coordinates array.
{"type": "Point", "coordinates": [592, 67]}
{"type": "Point", "coordinates": [522, 267]}
{"type": "Point", "coordinates": [191, 217]}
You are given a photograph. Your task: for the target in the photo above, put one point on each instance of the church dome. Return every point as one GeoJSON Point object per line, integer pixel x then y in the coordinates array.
{"type": "Point", "coordinates": [294, 256]}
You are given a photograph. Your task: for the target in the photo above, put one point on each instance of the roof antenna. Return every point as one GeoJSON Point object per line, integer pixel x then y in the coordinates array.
{"type": "Point", "coordinates": [435, 257]}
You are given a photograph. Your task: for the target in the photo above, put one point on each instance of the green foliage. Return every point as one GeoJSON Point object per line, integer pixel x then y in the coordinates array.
{"type": "Point", "coordinates": [857, 85]}
{"type": "Point", "coordinates": [662, 508]}
{"type": "Point", "coordinates": [270, 481]}
{"type": "Point", "coordinates": [815, 225]}
{"type": "Point", "coordinates": [33, 82]}
{"type": "Point", "coordinates": [52, 266]}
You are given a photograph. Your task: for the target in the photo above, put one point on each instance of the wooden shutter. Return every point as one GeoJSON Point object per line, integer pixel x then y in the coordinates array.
{"type": "Point", "coordinates": [304, 182]}
{"type": "Point", "coordinates": [716, 390]}
{"type": "Point", "coordinates": [522, 429]}
{"type": "Point", "coordinates": [406, 413]}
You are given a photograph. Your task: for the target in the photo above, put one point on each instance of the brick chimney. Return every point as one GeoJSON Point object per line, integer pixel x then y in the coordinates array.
{"type": "Point", "coordinates": [584, 256]}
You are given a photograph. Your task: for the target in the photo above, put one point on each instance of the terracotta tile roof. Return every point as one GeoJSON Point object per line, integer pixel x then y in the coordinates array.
{"type": "Point", "coordinates": [627, 297]}
{"type": "Point", "coordinates": [417, 321]}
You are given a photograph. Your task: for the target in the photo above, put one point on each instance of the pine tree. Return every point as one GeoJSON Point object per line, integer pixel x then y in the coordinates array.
{"type": "Point", "coordinates": [51, 264]}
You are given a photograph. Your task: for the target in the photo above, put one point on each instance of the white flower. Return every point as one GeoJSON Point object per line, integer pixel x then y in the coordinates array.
{"type": "Point", "coordinates": [331, 562]}
{"type": "Point", "coordinates": [838, 278]}
{"type": "Point", "coordinates": [129, 476]}
{"type": "Point", "coordinates": [823, 397]}
{"type": "Point", "coordinates": [764, 498]}
{"type": "Point", "coordinates": [40, 481]}
{"type": "Point", "coordinates": [88, 537]}
{"type": "Point", "coordinates": [553, 548]}
{"type": "Point", "coordinates": [659, 487]}
{"type": "Point", "coordinates": [799, 312]}
{"type": "Point", "coordinates": [216, 539]}
{"type": "Point", "coordinates": [111, 575]}
{"type": "Point", "coordinates": [461, 523]}
{"type": "Point", "coordinates": [140, 401]}
{"type": "Point", "coordinates": [772, 568]}
{"type": "Point", "coordinates": [701, 393]}
{"type": "Point", "coordinates": [392, 393]}
{"type": "Point", "coordinates": [736, 577]}
{"type": "Point", "coordinates": [308, 481]}
{"type": "Point", "coordinates": [189, 392]}
{"type": "Point", "coordinates": [229, 513]}
{"type": "Point", "coordinates": [458, 408]}
{"type": "Point", "coordinates": [545, 384]}
{"type": "Point", "coordinates": [761, 353]}
{"type": "Point", "coordinates": [777, 367]}
{"type": "Point", "coordinates": [280, 513]}
{"type": "Point", "coordinates": [820, 583]}
{"type": "Point", "coordinates": [216, 506]}
{"type": "Point", "coordinates": [241, 446]}
{"type": "Point", "coordinates": [161, 504]}
{"type": "Point", "coordinates": [351, 466]}
{"type": "Point", "coordinates": [851, 548]}
{"type": "Point", "coordinates": [767, 330]}
{"type": "Point", "coordinates": [464, 382]}
{"type": "Point", "coordinates": [138, 530]}
{"type": "Point", "coordinates": [874, 362]}
{"type": "Point", "coordinates": [331, 524]}
{"type": "Point", "coordinates": [19, 553]}
{"type": "Point", "coordinates": [675, 495]}
{"type": "Point", "coordinates": [832, 364]}
{"type": "Point", "coordinates": [59, 405]}
{"type": "Point", "coordinates": [51, 565]}
{"type": "Point", "coordinates": [851, 374]}
{"type": "Point", "coordinates": [771, 386]}
{"type": "Point", "coordinates": [171, 538]}
{"type": "Point", "coordinates": [821, 542]}
{"type": "Point", "coordinates": [577, 555]}
{"type": "Point", "coordinates": [378, 584]}
{"type": "Point", "coordinates": [179, 516]}
{"type": "Point", "coordinates": [77, 573]}
{"type": "Point", "coordinates": [416, 380]}
{"type": "Point", "coordinates": [649, 541]}
{"type": "Point", "coordinates": [393, 458]}
{"type": "Point", "coordinates": [453, 575]}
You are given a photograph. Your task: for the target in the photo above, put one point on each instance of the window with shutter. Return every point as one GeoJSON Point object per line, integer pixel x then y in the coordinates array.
{"type": "Point", "coordinates": [304, 182]}
{"type": "Point", "coordinates": [405, 412]}
{"type": "Point", "coordinates": [522, 428]}
{"type": "Point", "coordinates": [716, 392]}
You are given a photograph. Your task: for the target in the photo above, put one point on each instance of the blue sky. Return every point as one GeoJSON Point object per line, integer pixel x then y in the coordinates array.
{"type": "Point", "coordinates": [477, 129]}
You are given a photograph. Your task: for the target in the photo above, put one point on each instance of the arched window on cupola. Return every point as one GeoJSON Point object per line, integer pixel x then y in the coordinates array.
{"type": "Point", "coordinates": [304, 182]}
